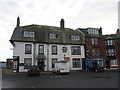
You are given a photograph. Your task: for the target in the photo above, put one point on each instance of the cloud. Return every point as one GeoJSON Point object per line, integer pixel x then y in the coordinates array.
{"type": "Point", "coordinates": [96, 14]}
{"type": "Point", "coordinates": [77, 13]}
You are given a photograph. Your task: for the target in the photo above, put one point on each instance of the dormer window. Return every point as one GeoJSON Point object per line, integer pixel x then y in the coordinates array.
{"type": "Point", "coordinates": [29, 34]}
{"type": "Point", "coordinates": [75, 38]}
{"type": "Point", "coordinates": [110, 42]}
{"type": "Point", "coordinates": [93, 31]}
{"type": "Point", "coordinates": [53, 36]}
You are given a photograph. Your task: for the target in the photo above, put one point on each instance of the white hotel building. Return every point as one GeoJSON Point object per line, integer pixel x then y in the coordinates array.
{"type": "Point", "coordinates": [43, 45]}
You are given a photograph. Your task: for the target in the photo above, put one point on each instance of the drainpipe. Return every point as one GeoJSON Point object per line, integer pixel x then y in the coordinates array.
{"type": "Point", "coordinates": [48, 57]}
{"type": "Point", "coordinates": [34, 59]}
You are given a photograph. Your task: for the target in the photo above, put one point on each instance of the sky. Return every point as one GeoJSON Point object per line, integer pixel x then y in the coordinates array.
{"type": "Point", "coordinates": [76, 13]}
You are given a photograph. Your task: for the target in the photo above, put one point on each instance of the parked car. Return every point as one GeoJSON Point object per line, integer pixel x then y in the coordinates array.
{"type": "Point", "coordinates": [61, 67]}
{"type": "Point", "coordinates": [33, 71]}
{"type": "Point", "coordinates": [97, 68]}
{"type": "Point", "coordinates": [95, 65]}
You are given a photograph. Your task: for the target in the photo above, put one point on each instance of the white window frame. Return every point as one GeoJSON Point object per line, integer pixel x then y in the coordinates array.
{"type": "Point", "coordinates": [94, 41]}
{"type": "Point", "coordinates": [114, 62]}
{"type": "Point", "coordinates": [26, 65]}
{"type": "Point", "coordinates": [41, 49]}
{"type": "Point", "coordinates": [54, 50]}
{"type": "Point", "coordinates": [53, 36]}
{"type": "Point", "coordinates": [76, 62]}
{"type": "Point", "coordinates": [26, 34]}
{"type": "Point", "coordinates": [111, 52]}
{"type": "Point", "coordinates": [109, 42]}
{"type": "Point", "coordinates": [75, 50]}
{"type": "Point", "coordinates": [28, 48]}
{"type": "Point", "coordinates": [29, 34]}
{"type": "Point", "coordinates": [75, 37]}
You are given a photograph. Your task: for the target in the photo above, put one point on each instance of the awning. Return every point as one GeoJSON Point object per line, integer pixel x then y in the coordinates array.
{"type": "Point", "coordinates": [41, 57]}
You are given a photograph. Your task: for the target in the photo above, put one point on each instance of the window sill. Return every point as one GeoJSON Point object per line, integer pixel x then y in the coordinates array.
{"type": "Point", "coordinates": [76, 54]}
{"type": "Point", "coordinates": [28, 53]}
{"type": "Point", "coordinates": [54, 53]}
{"type": "Point", "coordinates": [114, 65]}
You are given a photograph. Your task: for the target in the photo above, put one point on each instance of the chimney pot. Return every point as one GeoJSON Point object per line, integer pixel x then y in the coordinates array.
{"type": "Point", "coordinates": [18, 22]}
{"type": "Point", "coordinates": [62, 24]}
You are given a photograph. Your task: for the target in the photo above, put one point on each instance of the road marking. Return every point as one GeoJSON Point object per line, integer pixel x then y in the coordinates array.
{"type": "Point", "coordinates": [59, 76]}
{"type": "Point", "coordinates": [55, 76]}
{"type": "Point", "coordinates": [51, 76]}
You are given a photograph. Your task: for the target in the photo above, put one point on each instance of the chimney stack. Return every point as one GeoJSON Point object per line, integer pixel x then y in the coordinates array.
{"type": "Point", "coordinates": [18, 22]}
{"type": "Point", "coordinates": [62, 24]}
{"type": "Point", "coordinates": [118, 31]}
{"type": "Point", "coordinates": [100, 30]}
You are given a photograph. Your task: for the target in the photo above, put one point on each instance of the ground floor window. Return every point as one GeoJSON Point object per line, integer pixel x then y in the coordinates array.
{"type": "Point", "coordinates": [53, 62]}
{"type": "Point", "coordinates": [76, 63]}
{"type": "Point", "coordinates": [114, 63]}
{"type": "Point", "coordinates": [27, 62]}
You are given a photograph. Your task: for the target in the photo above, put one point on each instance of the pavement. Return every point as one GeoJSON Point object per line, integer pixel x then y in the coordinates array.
{"type": "Point", "coordinates": [9, 71]}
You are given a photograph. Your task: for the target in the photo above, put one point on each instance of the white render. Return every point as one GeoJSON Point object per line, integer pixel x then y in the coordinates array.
{"type": "Point", "coordinates": [19, 50]}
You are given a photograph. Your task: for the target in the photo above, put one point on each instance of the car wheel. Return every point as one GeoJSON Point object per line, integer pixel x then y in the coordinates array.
{"type": "Point", "coordinates": [58, 72]}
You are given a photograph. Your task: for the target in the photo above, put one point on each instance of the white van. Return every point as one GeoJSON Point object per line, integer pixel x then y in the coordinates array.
{"type": "Point", "coordinates": [61, 67]}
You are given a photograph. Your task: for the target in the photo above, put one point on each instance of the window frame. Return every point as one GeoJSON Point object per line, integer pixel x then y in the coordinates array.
{"type": "Point", "coordinates": [95, 52]}
{"type": "Point", "coordinates": [29, 34]}
{"type": "Point", "coordinates": [64, 49]}
{"type": "Point", "coordinates": [53, 36]}
{"type": "Point", "coordinates": [111, 52]}
{"type": "Point", "coordinates": [26, 65]}
{"type": "Point", "coordinates": [39, 49]}
{"type": "Point", "coordinates": [75, 37]}
{"type": "Point", "coordinates": [75, 50]}
{"type": "Point", "coordinates": [54, 50]}
{"type": "Point", "coordinates": [28, 51]}
{"type": "Point", "coordinates": [94, 41]}
{"type": "Point", "coordinates": [114, 62]}
{"type": "Point", "coordinates": [76, 63]}
{"type": "Point", "coordinates": [110, 42]}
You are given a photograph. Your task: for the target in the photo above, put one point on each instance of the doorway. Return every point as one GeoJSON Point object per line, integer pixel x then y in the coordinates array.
{"type": "Point", "coordinates": [107, 64]}
{"type": "Point", "coordinates": [41, 64]}
{"type": "Point", "coordinates": [16, 64]}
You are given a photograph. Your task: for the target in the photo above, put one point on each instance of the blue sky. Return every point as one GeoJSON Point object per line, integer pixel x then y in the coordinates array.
{"type": "Point", "coordinates": [76, 13]}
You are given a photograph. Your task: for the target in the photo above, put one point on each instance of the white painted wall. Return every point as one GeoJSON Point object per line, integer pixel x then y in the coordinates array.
{"type": "Point", "coordinates": [19, 50]}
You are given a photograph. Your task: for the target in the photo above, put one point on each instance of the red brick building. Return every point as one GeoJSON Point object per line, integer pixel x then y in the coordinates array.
{"type": "Point", "coordinates": [111, 51]}
{"type": "Point", "coordinates": [118, 34]}
{"type": "Point", "coordinates": [93, 42]}
{"type": "Point", "coordinates": [102, 46]}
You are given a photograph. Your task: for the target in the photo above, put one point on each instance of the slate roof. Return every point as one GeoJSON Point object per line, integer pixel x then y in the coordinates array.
{"type": "Point", "coordinates": [110, 36]}
{"type": "Point", "coordinates": [42, 34]}
{"type": "Point", "coordinates": [85, 31]}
